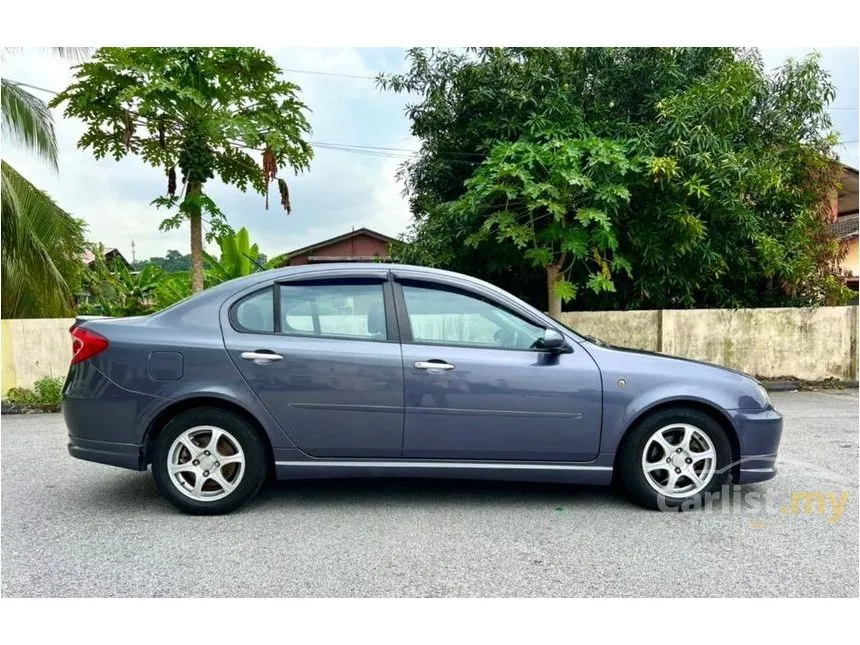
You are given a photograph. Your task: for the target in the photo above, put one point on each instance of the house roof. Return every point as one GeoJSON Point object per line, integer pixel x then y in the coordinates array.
{"type": "Point", "coordinates": [89, 257]}
{"type": "Point", "coordinates": [845, 226]}
{"type": "Point", "coordinates": [340, 238]}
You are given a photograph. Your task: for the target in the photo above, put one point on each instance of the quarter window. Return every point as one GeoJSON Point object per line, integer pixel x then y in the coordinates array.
{"type": "Point", "coordinates": [439, 316]}
{"type": "Point", "coordinates": [255, 313]}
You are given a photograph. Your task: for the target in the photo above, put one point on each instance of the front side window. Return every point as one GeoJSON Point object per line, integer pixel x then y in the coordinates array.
{"type": "Point", "coordinates": [439, 316]}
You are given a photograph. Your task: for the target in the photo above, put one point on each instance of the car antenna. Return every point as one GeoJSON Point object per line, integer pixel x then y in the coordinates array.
{"type": "Point", "coordinates": [259, 266]}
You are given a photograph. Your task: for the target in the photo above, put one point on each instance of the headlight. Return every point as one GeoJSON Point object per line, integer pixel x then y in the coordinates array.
{"type": "Point", "coordinates": [763, 397]}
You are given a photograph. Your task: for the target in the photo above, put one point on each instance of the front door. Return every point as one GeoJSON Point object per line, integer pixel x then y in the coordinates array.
{"type": "Point", "coordinates": [477, 389]}
{"type": "Point", "coordinates": [325, 362]}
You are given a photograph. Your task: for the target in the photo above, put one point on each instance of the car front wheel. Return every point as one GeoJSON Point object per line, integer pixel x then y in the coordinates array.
{"type": "Point", "coordinates": [675, 459]}
{"type": "Point", "coordinates": [208, 461]}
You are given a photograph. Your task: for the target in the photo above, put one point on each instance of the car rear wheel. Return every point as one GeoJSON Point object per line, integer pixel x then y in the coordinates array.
{"type": "Point", "coordinates": [208, 461]}
{"type": "Point", "coordinates": [675, 459]}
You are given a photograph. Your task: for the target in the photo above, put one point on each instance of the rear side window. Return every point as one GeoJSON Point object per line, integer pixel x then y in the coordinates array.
{"type": "Point", "coordinates": [340, 310]}
{"type": "Point", "coordinates": [345, 310]}
{"type": "Point", "coordinates": [256, 313]}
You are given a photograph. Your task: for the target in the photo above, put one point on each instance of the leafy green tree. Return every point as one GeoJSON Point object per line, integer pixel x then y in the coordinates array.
{"type": "Point", "coordinates": [718, 195]}
{"type": "Point", "coordinates": [171, 262]}
{"type": "Point", "coordinates": [42, 243]}
{"type": "Point", "coordinates": [555, 199]}
{"type": "Point", "coordinates": [202, 110]}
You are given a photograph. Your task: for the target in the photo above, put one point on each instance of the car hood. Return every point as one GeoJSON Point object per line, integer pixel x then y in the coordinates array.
{"type": "Point", "coordinates": [669, 358]}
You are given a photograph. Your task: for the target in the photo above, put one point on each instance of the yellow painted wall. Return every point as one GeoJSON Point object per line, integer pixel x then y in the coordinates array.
{"type": "Point", "coordinates": [7, 348]}
{"type": "Point", "coordinates": [804, 343]}
{"type": "Point", "coordinates": [33, 349]}
{"type": "Point", "coordinates": [851, 262]}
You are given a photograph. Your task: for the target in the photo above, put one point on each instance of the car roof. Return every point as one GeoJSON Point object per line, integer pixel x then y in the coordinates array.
{"type": "Point", "coordinates": [224, 290]}
{"type": "Point", "coordinates": [216, 295]}
{"type": "Point", "coordinates": [347, 268]}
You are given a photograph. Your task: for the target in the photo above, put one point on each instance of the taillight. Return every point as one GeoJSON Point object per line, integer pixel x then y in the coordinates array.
{"type": "Point", "coordinates": [86, 344]}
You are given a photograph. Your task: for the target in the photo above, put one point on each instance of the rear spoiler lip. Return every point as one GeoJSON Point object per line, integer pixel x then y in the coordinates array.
{"type": "Point", "coordinates": [80, 320]}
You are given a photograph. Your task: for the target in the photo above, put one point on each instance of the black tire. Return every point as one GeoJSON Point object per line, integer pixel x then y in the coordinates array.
{"type": "Point", "coordinates": [256, 460]}
{"type": "Point", "coordinates": [629, 464]}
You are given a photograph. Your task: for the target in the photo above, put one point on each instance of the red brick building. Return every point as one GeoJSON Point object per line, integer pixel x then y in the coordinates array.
{"type": "Point", "coordinates": [359, 245]}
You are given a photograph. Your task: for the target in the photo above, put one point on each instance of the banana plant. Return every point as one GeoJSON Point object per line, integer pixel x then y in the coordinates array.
{"type": "Point", "coordinates": [238, 258]}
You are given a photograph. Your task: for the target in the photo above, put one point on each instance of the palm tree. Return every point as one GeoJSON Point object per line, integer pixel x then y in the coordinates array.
{"type": "Point", "coordinates": [42, 244]}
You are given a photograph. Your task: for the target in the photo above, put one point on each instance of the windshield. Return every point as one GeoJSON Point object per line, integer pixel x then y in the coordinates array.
{"type": "Point", "coordinates": [593, 339]}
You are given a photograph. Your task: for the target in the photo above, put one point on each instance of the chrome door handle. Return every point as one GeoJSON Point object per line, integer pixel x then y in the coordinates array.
{"type": "Point", "coordinates": [430, 365]}
{"type": "Point", "coordinates": [261, 356]}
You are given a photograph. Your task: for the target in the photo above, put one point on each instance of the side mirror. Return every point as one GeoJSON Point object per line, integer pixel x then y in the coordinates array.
{"type": "Point", "coordinates": [552, 341]}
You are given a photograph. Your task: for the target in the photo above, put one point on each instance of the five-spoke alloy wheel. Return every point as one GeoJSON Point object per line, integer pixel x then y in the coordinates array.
{"type": "Point", "coordinates": [208, 461]}
{"type": "Point", "coordinates": [679, 460]}
{"type": "Point", "coordinates": [673, 457]}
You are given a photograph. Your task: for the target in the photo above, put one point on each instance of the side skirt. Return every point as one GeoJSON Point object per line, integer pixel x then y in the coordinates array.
{"type": "Point", "coordinates": [592, 473]}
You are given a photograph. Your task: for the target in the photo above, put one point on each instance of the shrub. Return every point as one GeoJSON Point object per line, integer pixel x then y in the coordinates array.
{"type": "Point", "coordinates": [46, 395]}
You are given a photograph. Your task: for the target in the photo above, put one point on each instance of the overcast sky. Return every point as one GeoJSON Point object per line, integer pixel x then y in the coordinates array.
{"type": "Point", "coordinates": [342, 190]}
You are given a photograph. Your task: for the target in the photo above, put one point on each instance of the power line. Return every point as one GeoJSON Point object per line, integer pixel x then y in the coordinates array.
{"type": "Point", "coordinates": [371, 150]}
{"type": "Point", "coordinates": [316, 73]}
{"type": "Point", "coordinates": [372, 78]}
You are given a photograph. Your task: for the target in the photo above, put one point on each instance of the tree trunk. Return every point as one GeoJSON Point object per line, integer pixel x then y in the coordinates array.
{"type": "Point", "coordinates": [553, 299]}
{"type": "Point", "coordinates": [196, 220]}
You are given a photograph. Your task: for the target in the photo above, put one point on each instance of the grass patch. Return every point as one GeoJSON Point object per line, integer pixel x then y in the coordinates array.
{"type": "Point", "coordinates": [45, 396]}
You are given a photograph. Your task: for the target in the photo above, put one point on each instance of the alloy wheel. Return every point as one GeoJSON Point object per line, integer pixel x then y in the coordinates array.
{"type": "Point", "coordinates": [679, 460]}
{"type": "Point", "coordinates": [206, 463]}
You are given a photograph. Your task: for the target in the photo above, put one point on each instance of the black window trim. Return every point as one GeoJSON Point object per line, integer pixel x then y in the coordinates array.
{"type": "Point", "coordinates": [391, 323]}
{"type": "Point", "coordinates": [234, 319]}
{"type": "Point", "coordinates": [406, 327]}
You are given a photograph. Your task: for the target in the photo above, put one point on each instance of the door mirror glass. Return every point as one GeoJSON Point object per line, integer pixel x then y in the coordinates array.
{"type": "Point", "coordinates": [553, 341]}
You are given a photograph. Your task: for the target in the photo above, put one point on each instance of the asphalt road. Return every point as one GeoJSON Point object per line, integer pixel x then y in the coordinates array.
{"type": "Point", "coordinates": [71, 528]}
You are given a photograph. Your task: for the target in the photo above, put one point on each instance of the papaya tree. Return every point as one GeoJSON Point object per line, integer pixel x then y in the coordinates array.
{"type": "Point", "coordinates": [197, 113]}
{"type": "Point", "coordinates": [556, 199]}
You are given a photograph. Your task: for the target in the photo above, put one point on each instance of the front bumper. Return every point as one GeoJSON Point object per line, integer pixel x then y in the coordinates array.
{"type": "Point", "coordinates": [759, 433]}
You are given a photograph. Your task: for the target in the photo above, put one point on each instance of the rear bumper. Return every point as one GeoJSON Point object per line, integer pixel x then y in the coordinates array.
{"type": "Point", "coordinates": [102, 428]}
{"type": "Point", "coordinates": [759, 434]}
{"type": "Point", "coordinates": [124, 455]}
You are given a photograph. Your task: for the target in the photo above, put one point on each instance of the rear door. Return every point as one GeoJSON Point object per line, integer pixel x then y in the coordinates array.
{"type": "Point", "coordinates": [478, 389]}
{"type": "Point", "coordinates": [323, 356]}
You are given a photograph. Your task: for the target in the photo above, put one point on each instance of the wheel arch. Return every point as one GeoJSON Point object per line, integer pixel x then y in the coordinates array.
{"type": "Point", "coordinates": [204, 401]}
{"type": "Point", "coordinates": [715, 412]}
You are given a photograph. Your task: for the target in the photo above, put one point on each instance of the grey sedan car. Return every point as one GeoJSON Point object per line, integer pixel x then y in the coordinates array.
{"type": "Point", "coordinates": [345, 370]}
